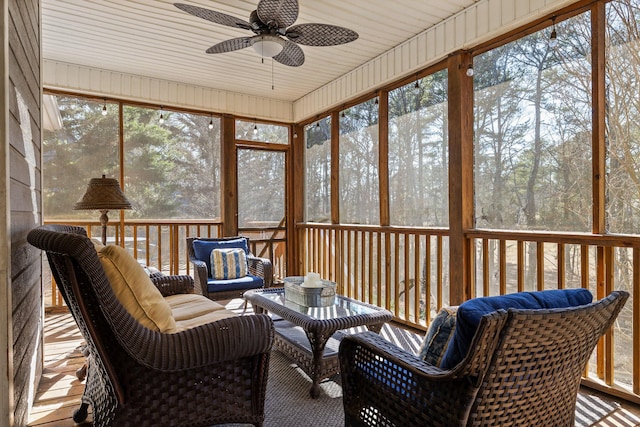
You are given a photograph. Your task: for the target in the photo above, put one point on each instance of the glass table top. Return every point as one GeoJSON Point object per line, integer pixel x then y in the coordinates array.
{"type": "Point", "coordinates": [341, 307]}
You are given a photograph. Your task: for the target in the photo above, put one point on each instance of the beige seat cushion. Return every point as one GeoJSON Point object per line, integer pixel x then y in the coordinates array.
{"type": "Point", "coordinates": [134, 289]}
{"type": "Point", "coordinates": [191, 310]}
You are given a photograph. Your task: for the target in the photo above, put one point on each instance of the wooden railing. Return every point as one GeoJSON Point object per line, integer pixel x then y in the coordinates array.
{"type": "Point", "coordinates": [526, 261]}
{"type": "Point", "coordinates": [406, 270]}
{"type": "Point", "coordinates": [400, 269]}
{"type": "Point", "coordinates": [161, 244]}
{"type": "Point", "coordinates": [382, 265]}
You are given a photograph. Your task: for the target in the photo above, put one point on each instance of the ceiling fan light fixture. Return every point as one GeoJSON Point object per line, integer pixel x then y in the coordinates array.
{"type": "Point", "coordinates": [267, 45]}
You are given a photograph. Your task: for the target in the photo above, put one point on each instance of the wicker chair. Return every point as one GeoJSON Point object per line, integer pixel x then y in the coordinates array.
{"type": "Point", "coordinates": [215, 373]}
{"type": "Point", "coordinates": [260, 268]}
{"type": "Point", "coordinates": [523, 368]}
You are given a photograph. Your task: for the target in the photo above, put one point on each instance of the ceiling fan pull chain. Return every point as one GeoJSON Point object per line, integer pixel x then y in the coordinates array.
{"type": "Point", "coordinates": [272, 85]}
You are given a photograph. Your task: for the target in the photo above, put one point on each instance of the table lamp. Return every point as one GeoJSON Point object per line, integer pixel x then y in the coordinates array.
{"type": "Point", "coordinates": [103, 194]}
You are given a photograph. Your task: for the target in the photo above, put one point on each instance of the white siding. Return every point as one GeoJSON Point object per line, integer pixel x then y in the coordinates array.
{"type": "Point", "coordinates": [70, 77]}
{"type": "Point", "coordinates": [480, 22]}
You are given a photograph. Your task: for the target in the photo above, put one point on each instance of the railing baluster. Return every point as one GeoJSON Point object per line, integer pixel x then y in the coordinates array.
{"type": "Point", "coordinates": [417, 293]}
{"type": "Point", "coordinates": [407, 277]}
{"type": "Point", "coordinates": [486, 270]}
{"type": "Point", "coordinates": [540, 266]}
{"type": "Point", "coordinates": [503, 266]}
{"type": "Point", "coordinates": [379, 258]}
{"type": "Point", "coordinates": [561, 266]}
{"type": "Point", "coordinates": [608, 336]}
{"type": "Point", "coordinates": [427, 278]}
{"type": "Point", "coordinates": [520, 266]}
{"type": "Point", "coordinates": [635, 312]}
{"type": "Point", "coordinates": [439, 271]}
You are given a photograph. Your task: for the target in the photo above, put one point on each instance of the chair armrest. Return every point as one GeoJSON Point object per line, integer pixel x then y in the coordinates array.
{"type": "Point", "coordinates": [172, 285]}
{"type": "Point", "coordinates": [200, 276]}
{"type": "Point", "coordinates": [385, 383]}
{"type": "Point", "coordinates": [217, 342]}
{"type": "Point", "coordinates": [261, 267]}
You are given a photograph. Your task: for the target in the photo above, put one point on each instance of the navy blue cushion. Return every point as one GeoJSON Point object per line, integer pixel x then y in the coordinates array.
{"type": "Point", "coordinates": [470, 312]}
{"type": "Point", "coordinates": [202, 248]}
{"type": "Point", "coordinates": [246, 282]}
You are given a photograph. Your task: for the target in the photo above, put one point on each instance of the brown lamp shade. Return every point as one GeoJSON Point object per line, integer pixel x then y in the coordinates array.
{"type": "Point", "coordinates": [103, 194]}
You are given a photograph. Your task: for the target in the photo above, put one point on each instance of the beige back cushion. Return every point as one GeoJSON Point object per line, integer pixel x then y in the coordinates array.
{"type": "Point", "coordinates": [134, 289]}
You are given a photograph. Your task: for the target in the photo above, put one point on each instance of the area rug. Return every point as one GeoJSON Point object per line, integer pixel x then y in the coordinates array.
{"type": "Point", "coordinates": [288, 403]}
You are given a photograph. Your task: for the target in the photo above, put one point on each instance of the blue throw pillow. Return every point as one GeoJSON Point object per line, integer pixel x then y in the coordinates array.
{"type": "Point", "coordinates": [470, 312]}
{"type": "Point", "coordinates": [202, 249]}
{"type": "Point", "coordinates": [438, 336]}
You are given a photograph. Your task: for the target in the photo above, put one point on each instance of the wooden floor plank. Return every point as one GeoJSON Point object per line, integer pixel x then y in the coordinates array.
{"type": "Point", "coordinates": [60, 391]}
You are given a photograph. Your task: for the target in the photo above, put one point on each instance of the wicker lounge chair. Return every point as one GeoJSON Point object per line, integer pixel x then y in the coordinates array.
{"type": "Point", "coordinates": [523, 368]}
{"type": "Point", "coordinates": [210, 374]}
{"type": "Point", "coordinates": [260, 270]}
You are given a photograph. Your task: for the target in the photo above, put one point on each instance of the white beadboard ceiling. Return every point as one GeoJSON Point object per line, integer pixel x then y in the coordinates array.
{"type": "Point", "coordinates": [153, 38]}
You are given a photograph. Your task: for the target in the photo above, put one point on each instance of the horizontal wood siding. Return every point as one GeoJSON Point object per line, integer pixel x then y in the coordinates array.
{"type": "Point", "coordinates": [478, 23]}
{"type": "Point", "coordinates": [92, 81]}
{"type": "Point", "coordinates": [24, 125]}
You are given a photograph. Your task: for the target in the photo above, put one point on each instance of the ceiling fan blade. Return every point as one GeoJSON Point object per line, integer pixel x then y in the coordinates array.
{"type": "Point", "coordinates": [320, 34]}
{"type": "Point", "coordinates": [230, 45]}
{"type": "Point", "coordinates": [282, 13]}
{"type": "Point", "coordinates": [213, 16]}
{"type": "Point", "coordinates": [291, 55]}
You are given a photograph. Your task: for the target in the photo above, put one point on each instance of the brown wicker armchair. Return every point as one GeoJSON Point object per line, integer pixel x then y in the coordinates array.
{"type": "Point", "coordinates": [523, 368]}
{"type": "Point", "coordinates": [260, 270]}
{"type": "Point", "coordinates": [214, 373]}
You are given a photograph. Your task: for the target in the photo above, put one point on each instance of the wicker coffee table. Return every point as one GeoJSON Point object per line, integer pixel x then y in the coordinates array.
{"type": "Point", "coordinates": [311, 335]}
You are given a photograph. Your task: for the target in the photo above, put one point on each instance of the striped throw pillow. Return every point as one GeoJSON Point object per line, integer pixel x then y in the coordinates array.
{"type": "Point", "coordinates": [228, 263]}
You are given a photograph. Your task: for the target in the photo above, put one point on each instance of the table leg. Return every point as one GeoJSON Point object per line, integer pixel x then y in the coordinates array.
{"type": "Point", "coordinates": [375, 328]}
{"type": "Point", "coordinates": [318, 342]}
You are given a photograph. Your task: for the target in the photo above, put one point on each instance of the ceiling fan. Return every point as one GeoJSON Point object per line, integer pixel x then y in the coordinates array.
{"type": "Point", "coordinates": [274, 36]}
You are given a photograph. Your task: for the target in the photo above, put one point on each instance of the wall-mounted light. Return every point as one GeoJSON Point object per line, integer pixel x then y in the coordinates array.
{"type": "Point", "coordinates": [104, 107]}
{"type": "Point", "coordinates": [470, 70]}
{"type": "Point", "coordinates": [161, 119]}
{"type": "Point", "coordinates": [553, 38]}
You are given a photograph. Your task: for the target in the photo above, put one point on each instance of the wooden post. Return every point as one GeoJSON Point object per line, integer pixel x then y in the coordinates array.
{"type": "Point", "coordinates": [296, 179]}
{"type": "Point", "coordinates": [229, 175]}
{"type": "Point", "coordinates": [383, 156]}
{"type": "Point", "coordinates": [461, 213]}
{"type": "Point", "coordinates": [335, 167]}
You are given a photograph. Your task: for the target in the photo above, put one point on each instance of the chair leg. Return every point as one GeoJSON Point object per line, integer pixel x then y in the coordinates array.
{"type": "Point", "coordinates": [80, 414]}
{"type": "Point", "coordinates": [81, 373]}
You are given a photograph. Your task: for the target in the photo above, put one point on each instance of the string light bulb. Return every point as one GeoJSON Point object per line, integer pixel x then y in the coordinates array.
{"type": "Point", "coordinates": [255, 128]}
{"type": "Point", "coordinates": [104, 108]}
{"type": "Point", "coordinates": [470, 70]}
{"type": "Point", "coordinates": [211, 122]}
{"type": "Point", "coordinates": [553, 38]}
{"type": "Point", "coordinates": [161, 119]}
{"type": "Point", "coordinates": [417, 85]}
